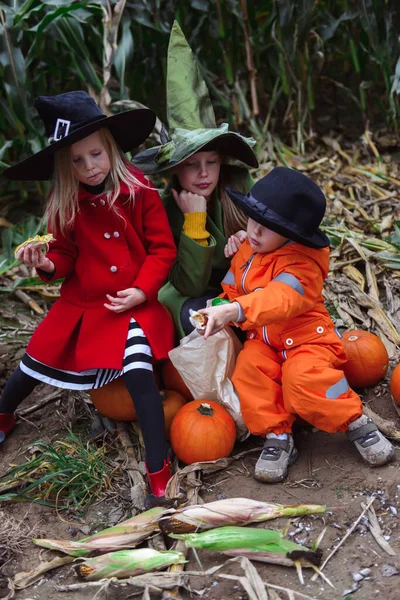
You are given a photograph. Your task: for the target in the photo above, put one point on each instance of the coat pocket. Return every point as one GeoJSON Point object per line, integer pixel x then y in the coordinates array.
{"type": "Point", "coordinates": [310, 331]}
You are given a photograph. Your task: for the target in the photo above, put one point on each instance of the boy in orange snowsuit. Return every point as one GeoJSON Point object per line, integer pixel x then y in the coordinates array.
{"type": "Point", "coordinates": [291, 363]}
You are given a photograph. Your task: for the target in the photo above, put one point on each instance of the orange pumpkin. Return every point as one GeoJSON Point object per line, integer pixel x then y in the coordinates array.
{"type": "Point", "coordinates": [202, 430]}
{"type": "Point", "coordinates": [367, 358]}
{"type": "Point", "coordinates": [173, 381]}
{"type": "Point", "coordinates": [395, 384]}
{"type": "Point", "coordinates": [113, 401]}
{"type": "Point", "coordinates": [172, 403]}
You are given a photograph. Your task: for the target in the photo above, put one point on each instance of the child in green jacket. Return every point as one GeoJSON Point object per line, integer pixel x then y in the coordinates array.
{"type": "Point", "coordinates": [200, 213]}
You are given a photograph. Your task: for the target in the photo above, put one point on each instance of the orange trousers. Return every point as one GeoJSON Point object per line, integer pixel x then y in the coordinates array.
{"type": "Point", "coordinates": [309, 383]}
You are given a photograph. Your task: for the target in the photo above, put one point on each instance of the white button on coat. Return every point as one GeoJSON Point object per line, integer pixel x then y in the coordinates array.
{"type": "Point", "coordinates": [116, 234]}
{"type": "Point", "coordinates": [113, 269]}
{"type": "Point", "coordinates": [102, 202]}
{"type": "Point", "coordinates": [107, 235]}
{"type": "Point", "coordinates": [320, 329]}
{"type": "Point", "coordinates": [289, 342]}
{"type": "Point", "coordinates": [93, 204]}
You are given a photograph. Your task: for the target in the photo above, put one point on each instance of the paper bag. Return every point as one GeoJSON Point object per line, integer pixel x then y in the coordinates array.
{"type": "Point", "coordinates": [206, 367]}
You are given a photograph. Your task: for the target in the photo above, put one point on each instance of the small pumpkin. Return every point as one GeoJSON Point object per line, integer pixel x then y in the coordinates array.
{"type": "Point", "coordinates": [367, 358]}
{"type": "Point", "coordinates": [395, 384]}
{"type": "Point", "coordinates": [113, 401]}
{"type": "Point", "coordinates": [202, 430]}
{"type": "Point", "coordinates": [173, 381]}
{"type": "Point", "coordinates": [172, 403]}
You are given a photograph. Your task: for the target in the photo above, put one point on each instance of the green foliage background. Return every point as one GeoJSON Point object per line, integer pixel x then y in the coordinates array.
{"type": "Point", "coordinates": [315, 63]}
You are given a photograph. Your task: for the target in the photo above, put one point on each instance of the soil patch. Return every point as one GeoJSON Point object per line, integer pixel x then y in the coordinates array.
{"type": "Point", "coordinates": [328, 471]}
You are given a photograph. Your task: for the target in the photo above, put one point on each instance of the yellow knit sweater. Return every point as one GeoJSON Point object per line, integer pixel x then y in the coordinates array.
{"type": "Point", "coordinates": [194, 226]}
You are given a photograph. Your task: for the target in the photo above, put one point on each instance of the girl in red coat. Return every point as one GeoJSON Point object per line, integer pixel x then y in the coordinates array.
{"type": "Point", "coordinates": [114, 250]}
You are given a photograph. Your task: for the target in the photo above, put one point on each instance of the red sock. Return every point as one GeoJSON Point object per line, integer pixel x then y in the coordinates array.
{"type": "Point", "coordinates": [7, 424]}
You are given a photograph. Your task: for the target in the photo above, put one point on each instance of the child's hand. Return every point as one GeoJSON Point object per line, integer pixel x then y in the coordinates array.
{"type": "Point", "coordinates": [234, 242]}
{"type": "Point", "coordinates": [219, 317]}
{"type": "Point", "coordinates": [34, 257]}
{"type": "Point", "coordinates": [125, 300]}
{"type": "Point", "coordinates": [189, 202]}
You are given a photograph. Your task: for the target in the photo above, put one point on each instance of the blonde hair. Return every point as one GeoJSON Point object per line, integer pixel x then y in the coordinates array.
{"type": "Point", "coordinates": [63, 204]}
{"type": "Point", "coordinates": [232, 217]}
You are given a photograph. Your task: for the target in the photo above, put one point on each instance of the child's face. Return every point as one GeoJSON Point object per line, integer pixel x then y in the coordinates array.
{"type": "Point", "coordinates": [262, 239]}
{"type": "Point", "coordinates": [90, 160]}
{"type": "Point", "coordinates": [199, 174]}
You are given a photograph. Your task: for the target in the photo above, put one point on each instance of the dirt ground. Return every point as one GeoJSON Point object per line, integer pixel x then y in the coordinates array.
{"type": "Point", "coordinates": [328, 471]}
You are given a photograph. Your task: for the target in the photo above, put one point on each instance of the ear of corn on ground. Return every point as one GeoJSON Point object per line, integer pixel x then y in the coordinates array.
{"type": "Point", "coordinates": [127, 534]}
{"type": "Point", "coordinates": [232, 511]}
{"type": "Point", "coordinates": [127, 563]}
{"type": "Point", "coordinates": [266, 545]}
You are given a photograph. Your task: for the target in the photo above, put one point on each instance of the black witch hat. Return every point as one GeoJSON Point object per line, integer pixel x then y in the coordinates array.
{"type": "Point", "coordinates": [71, 117]}
{"type": "Point", "coordinates": [288, 203]}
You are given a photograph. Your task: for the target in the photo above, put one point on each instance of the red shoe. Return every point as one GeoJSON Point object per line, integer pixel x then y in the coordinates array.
{"type": "Point", "coordinates": [158, 480]}
{"type": "Point", "coordinates": [7, 424]}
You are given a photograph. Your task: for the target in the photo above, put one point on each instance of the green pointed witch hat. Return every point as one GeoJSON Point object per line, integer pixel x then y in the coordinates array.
{"type": "Point", "coordinates": [191, 118]}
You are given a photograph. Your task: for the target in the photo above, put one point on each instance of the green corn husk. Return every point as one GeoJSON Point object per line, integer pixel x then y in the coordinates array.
{"type": "Point", "coordinates": [127, 534]}
{"type": "Point", "coordinates": [127, 563]}
{"type": "Point", "coordinates": [232, 511]}
{"type": "Point", "coordinates": [266, 545]}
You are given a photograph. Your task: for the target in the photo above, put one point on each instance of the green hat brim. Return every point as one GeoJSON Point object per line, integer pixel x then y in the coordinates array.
{"type": "Point", "coordinates": [186, 143]}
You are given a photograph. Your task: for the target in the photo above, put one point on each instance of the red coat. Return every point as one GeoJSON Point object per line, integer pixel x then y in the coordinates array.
{"type": "Point", "coordinates": [107, 253]}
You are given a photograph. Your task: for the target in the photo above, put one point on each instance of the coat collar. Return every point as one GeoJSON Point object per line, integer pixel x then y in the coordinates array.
{"type": "Point", "coordinates": [84, 194]}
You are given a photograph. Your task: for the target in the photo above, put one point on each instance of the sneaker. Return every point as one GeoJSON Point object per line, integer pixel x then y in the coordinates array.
{"type": "Point", "coordinates": [277, 455]}
{"type": "Point", "coordinates": [375, 449]}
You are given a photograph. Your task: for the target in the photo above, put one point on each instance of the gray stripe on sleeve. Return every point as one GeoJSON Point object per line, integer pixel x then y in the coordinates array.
{"type": "Point", "coordinates": [291, 281]}
{"type": "Point", "coordinates": [337, 389]}
{"type": "Point", "coordinates": [229, 278]}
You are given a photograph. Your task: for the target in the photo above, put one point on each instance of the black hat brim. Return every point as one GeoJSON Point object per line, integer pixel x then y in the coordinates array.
{"type": "Point", "coordinates": [129, 129]}
{"type": "Point", "coordinates": [268, 218]}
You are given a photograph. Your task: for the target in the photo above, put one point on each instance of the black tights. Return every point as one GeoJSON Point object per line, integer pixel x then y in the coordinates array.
{"type": "Point", "coordinates": [145, 396]}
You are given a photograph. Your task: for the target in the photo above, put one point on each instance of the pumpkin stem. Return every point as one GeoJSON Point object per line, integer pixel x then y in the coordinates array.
{"type": "Point", "coordinates": [205, 409]}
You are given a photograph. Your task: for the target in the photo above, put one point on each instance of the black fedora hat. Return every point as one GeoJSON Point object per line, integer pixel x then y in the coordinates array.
{"type": "Point", "coordinates": [71, 117]}
{"type": "Point", "coordinates": [288, 203]}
